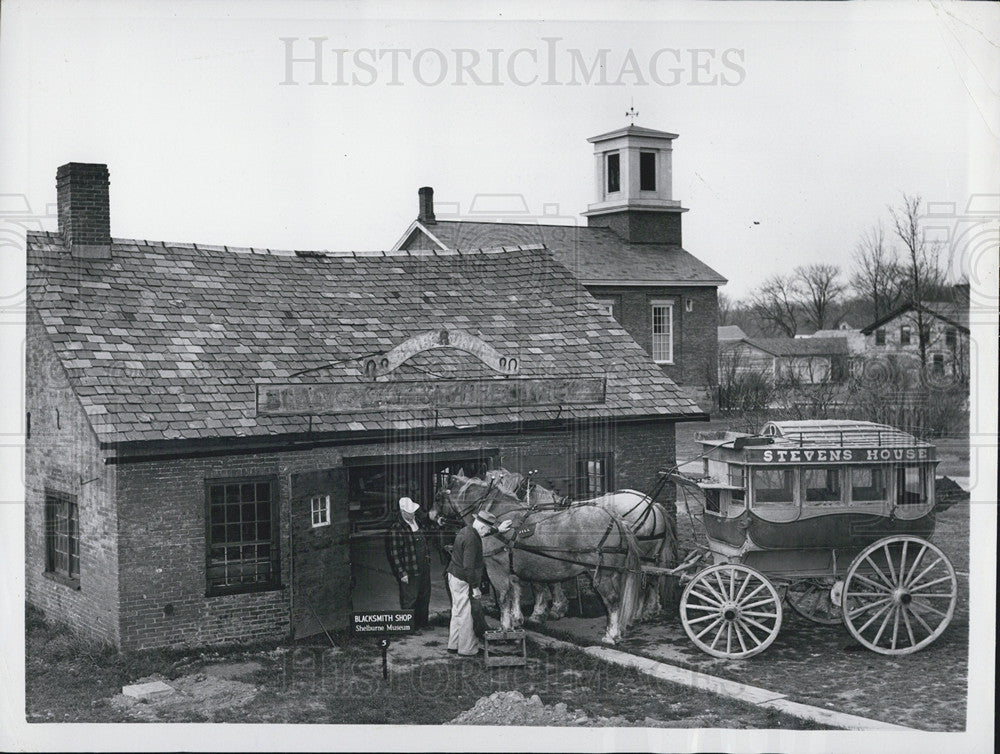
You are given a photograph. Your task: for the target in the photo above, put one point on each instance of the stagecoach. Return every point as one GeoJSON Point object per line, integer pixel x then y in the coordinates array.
{"type": "Point", "coordinates": [832, 517]}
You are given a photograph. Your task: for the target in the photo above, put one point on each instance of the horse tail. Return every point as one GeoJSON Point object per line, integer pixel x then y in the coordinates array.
{"type": "Point", "coordinates": [630, 582]}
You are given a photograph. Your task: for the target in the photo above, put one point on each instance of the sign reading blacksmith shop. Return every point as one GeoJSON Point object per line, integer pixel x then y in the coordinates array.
{"type": "Point", "coordinates": [317, 398]}
{"type": "Point", "coordinates": [382, 622]}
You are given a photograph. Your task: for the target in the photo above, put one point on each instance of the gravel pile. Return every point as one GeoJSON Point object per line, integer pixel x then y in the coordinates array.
{"type": "Point", "coordinates": [513, 708]}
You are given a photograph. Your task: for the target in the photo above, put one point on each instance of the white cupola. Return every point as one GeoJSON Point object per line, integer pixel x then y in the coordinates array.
{"type": "Point", "coordinates": [633, 181]}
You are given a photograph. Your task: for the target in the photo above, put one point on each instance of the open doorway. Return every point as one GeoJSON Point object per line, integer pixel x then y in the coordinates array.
{"type": "Point", "coordinates": [375, 485]}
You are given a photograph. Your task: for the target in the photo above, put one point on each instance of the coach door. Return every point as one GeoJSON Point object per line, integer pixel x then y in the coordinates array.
{"type": "Point", "coordinates": [321, 568]}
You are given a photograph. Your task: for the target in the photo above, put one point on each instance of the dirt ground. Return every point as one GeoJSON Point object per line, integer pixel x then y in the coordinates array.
{"type": "Point", "coordinates": [69, 681]}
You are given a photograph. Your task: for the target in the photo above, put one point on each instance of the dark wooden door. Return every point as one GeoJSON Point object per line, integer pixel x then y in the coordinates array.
{"type": "Point", "coordinates": [321, 568]}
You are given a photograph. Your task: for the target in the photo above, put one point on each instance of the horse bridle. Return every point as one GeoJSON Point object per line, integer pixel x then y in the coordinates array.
{"type": "Point", "coordinates": [459, 516]}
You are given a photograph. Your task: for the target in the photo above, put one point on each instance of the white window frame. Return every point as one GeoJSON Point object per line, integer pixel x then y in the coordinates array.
{"type": "Point", "coordinates": [319, 510]}
{"type": "Point", "coordinates": [668, 304]}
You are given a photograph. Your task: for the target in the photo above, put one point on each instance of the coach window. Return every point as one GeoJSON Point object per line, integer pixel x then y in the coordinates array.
{"type": "Point", "coordinates": [242, 536]}
{"type": "Point", "coordinates": [737, 478]}
{"type": "Point", "coordinates": [868, 485]}
{"type": "Point", "coordinates": [774, 493]}
{"type": "Point", "coordinates": [821, 485]}
{"type": "Point", "coordinates": [62, 538]}
{"type": "Point", "coordinates": [910, 485]}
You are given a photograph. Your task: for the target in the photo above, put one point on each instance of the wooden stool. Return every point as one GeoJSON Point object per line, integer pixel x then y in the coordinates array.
{"type": "Point", "coordinates": [507, 640]}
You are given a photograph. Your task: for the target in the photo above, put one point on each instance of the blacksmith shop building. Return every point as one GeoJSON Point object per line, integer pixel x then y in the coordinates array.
{"type": "Point", "coordinates": [217, 436]}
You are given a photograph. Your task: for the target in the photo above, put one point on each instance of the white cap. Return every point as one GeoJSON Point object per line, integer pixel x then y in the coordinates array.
{"type": "Point", "coordinates": [407, 505]}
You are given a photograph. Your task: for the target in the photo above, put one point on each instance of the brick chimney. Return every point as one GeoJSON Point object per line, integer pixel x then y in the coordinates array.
{"type": "Point", "coordinates": [426, 214]}
{"type": "Point", "coordinates": [84, 212]}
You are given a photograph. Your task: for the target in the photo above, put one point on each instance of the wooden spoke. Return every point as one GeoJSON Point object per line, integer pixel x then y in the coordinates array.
{"type": "Point", "coordinates": [719, 598]}
{"type": "Point", "coordinates": [758, 615]}
{"type": "Point", "coordinates": [712, 600]}
{"type": "Point", "coordinates": [887, 606]}
{"type": "Point", "coordinates": [756, 604]}
{"type": "Point", "coordinates": [718, 635]}
{"type": "Point", "coordinates": [929, 583]}
{"type": "Point", "coordinates": [712, 608]}
{"type": "Point", "coordinates": [888, 560]}
{"type": "Point", "coordinates": [916, 562]}
{"type": "Point", "coordinates": [729, 637]}
{"type": "Point", "coordinates": [923, 573]}
{"type": "Point", "coordinates": [703, 618]}
{"type": "Point", "coordinates": [925, 606]}
{"type": "Point", "coordinates": [704, 631]}
{"type": "Point", "coordinates": [739, 637]}
{"type": "Point", "coordinates": [755, 624]}
{"type": "Point", "coordinates": [878, 570]}
{"type": "Point", "coordinates": [895, 623]}
{"type": "Point", "coordinates": [871, 583]}
{"type": "Point", "coordinates": [858, 610]}
{"type": "Point", "coordinates": [885, 622]}
{"type": "Point", "coordinates": [923, 623]}
{"type": "Point", "coordinates": [909, 628]}
{"type": "Point", "coordinates": [750, 633]}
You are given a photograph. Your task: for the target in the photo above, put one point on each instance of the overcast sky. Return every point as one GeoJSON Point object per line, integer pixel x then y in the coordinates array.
{"type": "Point", "coordinates": [798, 123]}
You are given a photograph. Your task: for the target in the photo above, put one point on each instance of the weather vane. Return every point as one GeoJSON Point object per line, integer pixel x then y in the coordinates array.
{"type": "Point", "coordinates": [632, 114]}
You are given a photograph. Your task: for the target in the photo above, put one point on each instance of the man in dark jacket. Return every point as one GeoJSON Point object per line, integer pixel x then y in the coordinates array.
{"type": "Point", "coordinates": [409, 558]}
{"type": "Point", "coordinates": [465, 574]}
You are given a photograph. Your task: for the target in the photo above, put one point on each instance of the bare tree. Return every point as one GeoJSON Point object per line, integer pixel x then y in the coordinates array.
{"type": "Point", "coordinates": [774, 303]}
{"type": "Point", "coordinates": [924, 272]}
{"type": "Point", "coordinates": [820, 290]}
{"type": "Point", "coordinates": [877, 275]}
{"type": "Point", "coordinates": [726, 306]}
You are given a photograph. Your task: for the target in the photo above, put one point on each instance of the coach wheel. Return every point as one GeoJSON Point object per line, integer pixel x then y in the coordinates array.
{"type": "Point", "coordinates": [813, 599]}
{"type": "Point", "coordinates": [731, 611]}
{"type": "Point", "coordinates": [899, 595]}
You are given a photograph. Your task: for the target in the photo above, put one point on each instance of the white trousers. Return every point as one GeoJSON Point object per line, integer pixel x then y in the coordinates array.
{"type": "Point", "coordinates": [460, 633]}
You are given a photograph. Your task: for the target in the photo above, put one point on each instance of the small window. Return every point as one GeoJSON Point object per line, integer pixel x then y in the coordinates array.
{"type": "Point", "coordinates": [951, 338]}
{"type": "Point", "coordinates": [937, 364]}
{"type": "Point", "coordinates": [647, 171]}
{"type": "Point", "coordinates": [242, 536]}
{"type": "Point", "coordinates": [594, 476]}
{"type": "Point", "coordinates": [608, 303]}
{"type": "Point", "coordinates": [909, 485]}
{"type": "Point", "coordinates": [738, 479]}
{"type": "Point", "coordinates": [663, 332]}
{"type": "Point", "coordinates": [614, 172]}
{"type": "Point", "coordinates": [62, 536]}
{"type": "Point", "coordinates": [868, 484]}
{"type": "Point", "coordinates": [821, 484]}
{"type": "Point", "coordinates": [320, 508]}
{"type": "Point", "coordinates": [880, 336]}
{"type": "Point", "coordinates": [774, 486]}
{"type": "Point", "coordinates": [904, 335]}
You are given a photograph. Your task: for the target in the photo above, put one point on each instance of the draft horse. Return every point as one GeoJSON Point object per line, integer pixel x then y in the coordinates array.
{"type": "Point", "coordinates": [550, 544]}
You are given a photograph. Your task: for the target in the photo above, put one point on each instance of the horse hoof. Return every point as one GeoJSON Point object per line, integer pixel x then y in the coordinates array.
{"type": "Point", "coordinates": [608, 641]}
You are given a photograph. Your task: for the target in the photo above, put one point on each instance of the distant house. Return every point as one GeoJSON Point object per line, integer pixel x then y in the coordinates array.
{"type": "Point", "coordinates": [855, 338]}
{"type": "Point", "coordinates": [731, 332]}
{"type": "Point", "coordinates": [808, 361]}
{"type": "Point", "coordinates": [946, 327]}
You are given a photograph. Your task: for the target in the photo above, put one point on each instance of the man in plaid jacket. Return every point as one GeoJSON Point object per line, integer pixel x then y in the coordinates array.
{"type": "Point", "coordinates": [409, 558]}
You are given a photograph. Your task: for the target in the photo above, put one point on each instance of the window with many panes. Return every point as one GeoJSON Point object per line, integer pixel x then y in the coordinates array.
{"type": "Point", "coordinates": [880, 336]}
{"type": "Point", "coordinates": [904, 335]}
{"type": "Point", "coordinates": [319, 506]}
{"type": "Point", "coordinates": [613, 172]}
{"type": "Point", "coordinates": [593, 475]}
{"type": "Point", "coordinates": [62, 536]}
{"type": "Point", "coordinates": [242, 535]}
{"type": "Point", "coordinates": [663, 331]}
{"type": "Point", "coordinates": [937, 364]}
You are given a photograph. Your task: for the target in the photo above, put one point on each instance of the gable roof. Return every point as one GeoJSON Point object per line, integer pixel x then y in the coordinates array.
{"type": "Point", "coordinates": [954, 313]}
{"type": "Point", "coordinates": [596, 256]}
{"type": "Point", "coordinates": [731, 332]}
{"type": "Point", "coordinates": [168, 341]}
{"type": "Point", "coordinates": [795, 346]}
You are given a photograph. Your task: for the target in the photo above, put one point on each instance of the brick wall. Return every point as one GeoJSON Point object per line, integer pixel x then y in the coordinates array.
{"type": "Point", "coordinates": [163, 511]}
{"type": "Point", "coordinates": [62, 455]}
{"type": "Point", "coordinates": [695, 332]}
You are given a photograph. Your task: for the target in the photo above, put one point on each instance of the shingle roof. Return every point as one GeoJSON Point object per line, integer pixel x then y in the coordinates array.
{"type": "Point", "coordinates": [801, 346]}
{"type": "Point", "coordinates": [731, 332]}
{"type": "Point", "coordinates": [595, 255]}
{"type": "Point", "coordinates": [168, 341]}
